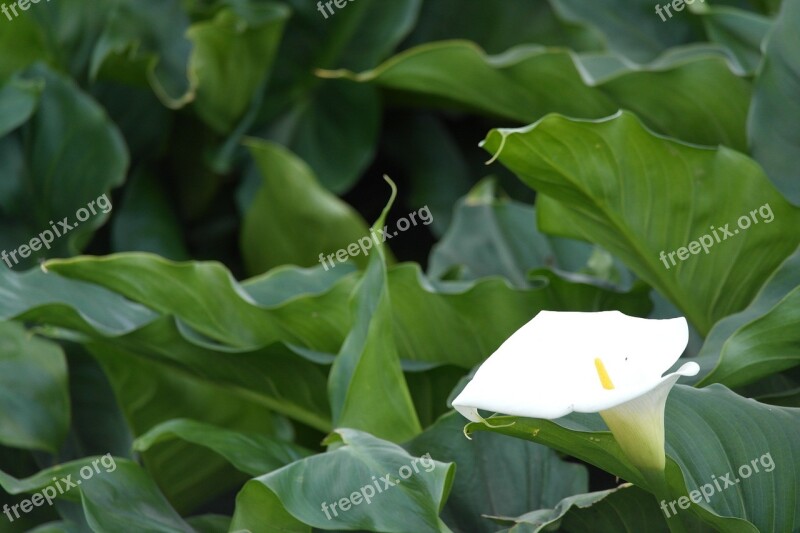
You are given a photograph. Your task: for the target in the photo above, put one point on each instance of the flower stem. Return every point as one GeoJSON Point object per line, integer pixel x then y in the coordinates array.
{"type": "Point", "coordinates": [657, 483]}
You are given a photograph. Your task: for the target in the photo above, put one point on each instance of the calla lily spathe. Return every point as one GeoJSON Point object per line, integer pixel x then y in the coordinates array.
{"type": "Point", "coordinates": [605, 362]}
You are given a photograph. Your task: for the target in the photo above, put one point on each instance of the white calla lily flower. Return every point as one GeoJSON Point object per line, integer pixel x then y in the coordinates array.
{"type": "Point", "coordinates": [605, 362]}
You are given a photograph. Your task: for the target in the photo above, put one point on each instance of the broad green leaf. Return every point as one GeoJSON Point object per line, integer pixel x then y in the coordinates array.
{"type": "Point", "coordinates": [254, 454]}
{"type": "Point", "coordinates": [632, 28]}
{"type": "Point", "coordinates": [713, 420]}
{"type": "Point", "coordinates": [265, 370]}
{"type": "Point", "coordinates": [143, 42]}
{"type": "Point", "coordinates": [433, 325]}
{"type": "Point", "coordinates": [285, 283]}
{"type": "Point", "coordinates": [772, 124]}
{"type": "Point", "coordinates": [47, 298]}
{"type": "Point", "coordinates": [777, 389]}
{"type": "Point", "coordinates": [441, 323]}
{"type": "Point", "coordinates": [106, 494]}
{"type": "Point", "coordinates": [267, 376]}
{"type": "Point", "coordinates": [495, 236]}
{"type": "Point", "coordinates": [206, 297]}
{"type": "Point", "coordinates": [68, 155]}
{"type": "Point", "coordinates": [107, 503]}
{"type": "Point", "coordinates": [371, 35]}
{"type": "Point", "coordinates": [18, 100]}
{"type": "Point", "coordinates": [60, 34]}
{"type": "Point", "coordinates": [293, 219]}
{"type": "Point", "coordinates": [495, 475]}
{"type": "Point", "coordinates": [233, 53]}
{"type": "Point", "coordinates": [34, 398]}
{"type": "Point", "coordinates": [98, 424]}
{"type": "Point", "coordinates": [627, 508]}
{"type": "Point", "coordinates": [332, 125]}
{"type": "Point", "coordinates": [334, 130]}
{"type": "Point", "coordinates": [266, 310]}
{"type": "Point", "coordinates": [366, 386]}
{"type": "Point", "coordinates": [293, 496]}
{"type": "Point", "coordinates": [140, 44]}
{"type": "Point", "coordinates": [740, 31]}
{"type": "Point", "coordinates": [497, 26]}
{"type": "Point", "coordinates": [693, 95]}
{"type": "Point", "coordinates": [644, 198]}
{"type": "Point", "coordinates": [71, 29]}
{"type": "Point", "coordinates": [762, 339]}
{"type": "Point", "coordinates": [151, 393]}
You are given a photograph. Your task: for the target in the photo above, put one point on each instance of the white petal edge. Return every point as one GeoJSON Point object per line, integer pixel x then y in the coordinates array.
{"type": "Point", "coordinates": [469, 409]}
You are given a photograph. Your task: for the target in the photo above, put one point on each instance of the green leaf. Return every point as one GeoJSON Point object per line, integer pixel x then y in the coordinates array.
{"type": "Point", "coordinates": [107, 494]}
{"type": "Point", "coordinates": [366, 385]}
{"type": "Point", "coordinates": [495, 236]}
{"type": "Point", "coordinates": [71, 29]}
{"type": "Point", "coordinates": [253, 454]}
{"type": "Point", "coordinates": [496, 475]}
{"type": "Point", "coordinates": [742, 32]}
{"type": "Point", "coordinates": [107, 503]}
{"type": "Point", "coordinates": [287, 499]}
{"type": "Point", "coordinates": [291, 197]}
{"type": "Point", "coordinates": [246, 31]}
{"type": "Point", "coordinates": [18, 101]}
{"type": "Point", "coordinates": [627, 508]}
{"type": "Point", "coordinates": [285, 296]}
{"type": "Point", "coordinates": [151, 393]}
{"type": "Point", "coordinates": [143, 42]}
{"type": "Point", "coordinates": [267, 376]}
{"type": "Point", "coordinates": [777, 389]}
{"type": "Point", "coordinates": [332, 125]}
{"type": "Point", "coordinates": [68, 155]}
{"type": "Point", "coordinates": [432, 325]}
{"type": "Point", "coordinates": [713, 420]}
{"type": "Point", "coordinates": [34, 398]}
{"type": "Point", "coordinates": [60, 34]}
{"type": "Point", "coordinates": [692, 94]}
{"type": "Point", "coordinates": [203, 295]}
{"type": "Point", "coordinates": [335, 131]}
{"type": "Point", "coordinates": [640, 196]}
{"type": "Point", "coordinates": [772, 124]}
{"type": "Point", "coordinates": [98, 424]}
{"type": "Point", "coordinates": [497, 27]}
{"type": "Point", "coordinates": [47, 298]}
{"type": "Point", "coordinates": [631, 27]}
{"type": "Point", "coordinates": [285, 283]}
{"type": "Point", "coordinates": [763, 339]}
